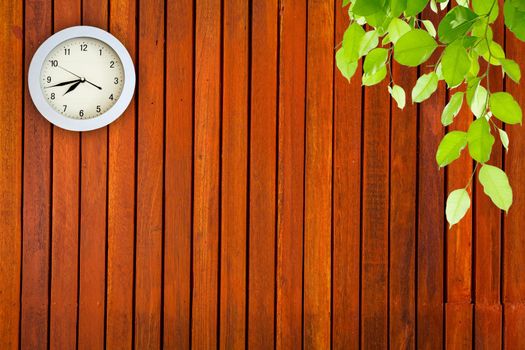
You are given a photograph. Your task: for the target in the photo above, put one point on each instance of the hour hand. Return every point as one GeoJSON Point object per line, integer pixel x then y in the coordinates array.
{"type": "Point", "coordinates": [73, 87]}
{"type": "Point", "coordinates": [63, 83]}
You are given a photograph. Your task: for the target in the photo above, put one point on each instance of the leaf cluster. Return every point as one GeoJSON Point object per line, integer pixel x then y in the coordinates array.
{"type": "Point", "coordinates": [384, 30]}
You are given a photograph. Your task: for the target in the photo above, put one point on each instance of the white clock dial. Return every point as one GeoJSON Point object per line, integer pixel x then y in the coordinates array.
{"type": "Point", "coordinates": [82, 78]}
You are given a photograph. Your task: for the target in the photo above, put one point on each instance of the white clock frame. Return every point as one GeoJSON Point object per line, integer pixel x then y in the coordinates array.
{"type": "Point", "coordinates": [60, 120]}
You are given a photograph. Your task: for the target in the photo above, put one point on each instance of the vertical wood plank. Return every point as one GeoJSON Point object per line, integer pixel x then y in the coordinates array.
{"type": "Point", "coordinates": [374, 278]}
{"type": "Point", "coordinates": [65, 214]}
{"type": "Point", "coordinates": [37, 183]}
{"type": "Point", "coordinates": [206, 173]}
{"type": "Point", "coordinates": [346, 202]}
{"type": "Point", "coordinates": [318, 178]}
{"type": "Point", "coordinates": [431, 207]}
{"type": "Point", "coordinates": [234, 175]}
{"type": "Point", "coordinates": [292, 85]}
{"type": "Point", "coordinates": [149, 175]}
{"type": "Point", "coordinates": [459, 251]}
{"type": "Point", "coordinates": [262, 173]}
{"type": "Point", "coordinates": [178, 173]}
{"type": "Point", "coordinates": [459, 326]}
{"type": "Point", "coordinates": [11, 95]}
{"type": "Point", "coordinates": [513, 238]}
{"type": "Point", "coordinates": [487, 239]}
{"type": "Point", "coordinates": [121, 199]}
{"type": "Point", "coordinates": [93, 193]}
{"type": "Point", "coordinates": [403, 214]}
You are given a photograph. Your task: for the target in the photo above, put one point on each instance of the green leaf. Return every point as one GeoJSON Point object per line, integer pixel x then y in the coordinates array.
{"type": "Point", "coordinates": [398, 94]}
{"type": "Point", "coordinates": [414, 7]}
{"type": "Point", "coordinates": [426, 85]}
{"type": "Point", "coordinates": [504, 137]}
{"type": "Point", "coordinates": [515, 19]}
{"type": "Point", "coordinates": [505, 108]}
{"type": "Point", "coordinates": [480, 140]}
{"type": "Point", "coordinates": [397, 29]}
{"type": "Point", "coordinates": [478, 105]}
{"type": "Point", "coordinates": [494, 53]}
{"type": "Point", "coordinates": [375, 60]}
{"type": "Point", "coordinates": [367, 7]}
{"type": "Point", "coordinates": [452, 108]}
{"type": "Point", "coordinates": [496, 186]}
{"type": "Point", "coordinates": [472, 85]}
{"type": "Point", "coordinates": [368, 42]}
{"type": "Point", "coordinates": [429, 26]}
{"type": "Point", "coordinates": [458, 202]}
{"type": "Point", "coordinates": [455, 24]}
{"type": "Point", "coordinates": [455, 64]}
{"type": "Point", "coordinates": [375, 78]}
{"type": "Point", "coordinates": [345, 2]}
{"type": "Point", "coordinates": [512, 69]}
{"type": "Point", "coordinates": [483, 7]}
{"type": "Point", "coordinates": [414, 48]}
{"type": "Point", "coordinates": [345, 66]}
{"type": "Point", "coordinates": [397, 7]}
{"type": "Point", "coordinates": [518, 4]}
{"type": "Point", "coordinates": [450, 147]}
{"type": "Point", "coordinates": [352, 40]}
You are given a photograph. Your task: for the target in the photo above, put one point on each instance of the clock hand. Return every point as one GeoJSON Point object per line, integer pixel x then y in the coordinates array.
{"type": "Point", "coordinates": [70, 72]}
{"type": "Point", "coordinates": [78, 76]}
{"type": "Point", "coordinates": [98, 87]}
{"type": "Point", "coordinates": [62, 83]}
{"type": "Point", "coordinates": [73, 87]}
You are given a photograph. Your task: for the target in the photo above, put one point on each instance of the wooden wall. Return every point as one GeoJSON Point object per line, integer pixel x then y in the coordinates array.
{"type": "Point", "coordinates": [249, 196]}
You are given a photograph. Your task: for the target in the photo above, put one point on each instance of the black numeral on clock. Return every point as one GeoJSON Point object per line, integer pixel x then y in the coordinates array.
{"type": "Point", "coordinates": [83, 47]}
{"type": "Point", "coordinates": [115, 80]}
{"type": "Point", "coordinates": [67, 52]}
{"type": "Point", "coordinates": [98, 109]}
{"type": "Point", "coordinates": [111, 97]}
{"type": "Point", "coordinates": [52, 95]}
{"type": "Point", "coordinates": [65, 107]}
{"type": "Point", "coordinates": [81, 113]}
{"type": "Point", "coordinates": [48, 79]}
{"type": "Point", "coordinates": [112, 64]}
{"type": "Point", "coordinates": [54, 63]}
{"type": "Point", "coordinates": [100, 52]}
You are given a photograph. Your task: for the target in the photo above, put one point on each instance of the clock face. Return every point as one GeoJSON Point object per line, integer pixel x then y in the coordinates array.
{"type": "Point", "coordinates": [82, 78]}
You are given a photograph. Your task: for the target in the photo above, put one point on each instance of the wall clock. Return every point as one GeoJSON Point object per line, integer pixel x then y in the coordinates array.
{"type": "Point", "coordinates": [81, 78]}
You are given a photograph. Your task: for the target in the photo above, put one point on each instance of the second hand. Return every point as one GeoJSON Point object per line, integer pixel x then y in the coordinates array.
{"type": "Point", "coordinates": [78, 76]}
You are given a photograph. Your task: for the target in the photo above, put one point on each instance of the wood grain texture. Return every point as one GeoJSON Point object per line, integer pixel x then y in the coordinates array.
{"type": "Point", "coordinates": [374, 243]}
{"type": "Point", "coordinates": [150, 175]}
{"type": "Point", "coordinates": [262, 175]}
{"type": "Point", "coordinates": [11, 129]}
{"type": "Point", "coordinates": [206, 174]}
{"type": "Point", "coordinates": [292, 88]}
{"type": "Point", "coordinates": [65, 214]}
{"type": "Point", "coordinates": [458, 326]}
{"type": "Point", "coordinates": [93, 204]}
{"type": "Point", "coordinates": [431, 215]}
{"type": "Point", "coordinates": [346, 203]}
{"type": "Point", "coordinates": [234, 169]}
{"type": "Point", "coordinates": [249, 196]}
{"type": "Point", "coordinates": [403, 214]}
{"type": "Point", "coordinates": [513, 239]}
{"type": "Point", "coordinates": [121, 199]}
{"type": "Point", "coordinates": [178, 174]}
{"type": "Point", "coordinates": [36, 207]}
{"type": "Point", "coordinates": [318, 176]}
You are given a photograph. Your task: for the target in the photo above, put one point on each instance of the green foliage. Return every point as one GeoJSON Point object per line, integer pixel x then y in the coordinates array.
{"type": "Point", "coordinates": [450, 147]}
{"type": "Point", "coordinates": [496, 185]}
{"type": "Point", "coordinates": [398, 30]}
{"type": "Point", "coordinates": [458, 202]}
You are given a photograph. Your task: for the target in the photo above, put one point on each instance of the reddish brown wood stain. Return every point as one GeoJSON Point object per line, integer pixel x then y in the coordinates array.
{"type": "Point", "coordinates": [248, 197]}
